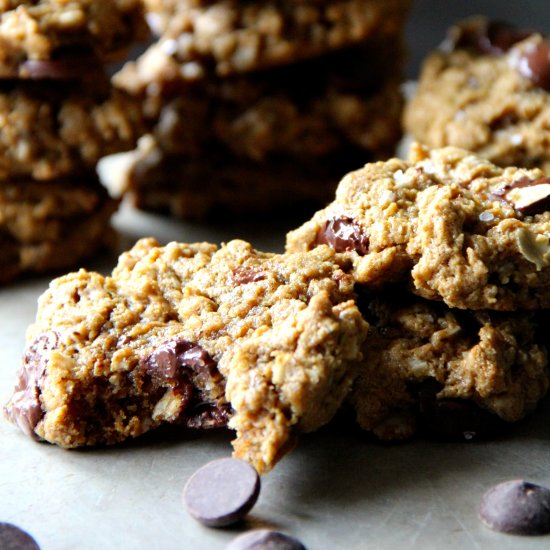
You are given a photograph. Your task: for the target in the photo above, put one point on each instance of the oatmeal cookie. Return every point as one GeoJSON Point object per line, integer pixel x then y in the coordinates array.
{"type": "Point", "coordinates": [304, 109]}
{"type": "Point", "coordinates": [192, 334]}
{"type": "Point", "coordinates": [47, 132]}
{"type": "Point", "coordinates": [453, 226]}
{"type": "Point", "coordinates": [487, 89]}
{"type": "Point", "coordinates": [65, 37]}
{"type": "Point", "coordinates": [446, 371]}
{"type": "Point", "coordinates": [54, 226]}
{"type": "Point", "coordinates": [231, 36]}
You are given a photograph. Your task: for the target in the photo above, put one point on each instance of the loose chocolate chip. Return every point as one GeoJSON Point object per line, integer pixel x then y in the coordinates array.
{"type": "Point", "coordinates": [344, 235]}
{"type": "Point", "coordinates": [265, 539]}
{"type": "Point", "coordinates": [517, 507]}
{"type": "Point", "coordinates": [222, 492]}
{"type": "Point", "coordinates": [534, 65]}
{"type": "Point", "coordinates": [527, 196]}
{"type": "Point", "coordinates": [14, 538]}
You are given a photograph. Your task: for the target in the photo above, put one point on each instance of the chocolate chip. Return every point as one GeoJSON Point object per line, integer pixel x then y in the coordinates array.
{"type": "Point", "coordinates": [516, 507]}
{"type": "Point", "coordinates": [222, 492]}
{"type": "Point", "coordinates": [486, 37]}
{"type": "Point", "coordinates": [14, 538]}
{"type": "Point", "coordinates": [534, 65]}
{"type": "Point", "coordinates": [165, 363]}
{"type": "Point", "coordinates": [244, 275]}
{"type": "Point", "coordinates": [527, 196]}
{"type": "Point", "coordinates": [265, 539]}
{"type": "Point", "coordinates": [24, 408]}
{"type": "Point", "coordinates": [344, 235]}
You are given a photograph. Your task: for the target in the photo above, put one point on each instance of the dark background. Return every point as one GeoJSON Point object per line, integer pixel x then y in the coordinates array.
{"type": "Point", "coordinates": [429, 20]}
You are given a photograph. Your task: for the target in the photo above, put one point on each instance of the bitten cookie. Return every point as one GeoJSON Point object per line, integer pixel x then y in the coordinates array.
{"type": "Point", "coordinates": [449, 372]}
{"type": "Point", "coordinates": [192, 334]}
{"type": "Point", "coordinates": [487, 89]}
{"type": "Point", "coordinates": [451, 225]}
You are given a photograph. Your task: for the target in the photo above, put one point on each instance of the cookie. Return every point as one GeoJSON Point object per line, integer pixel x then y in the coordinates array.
{"type": "Point", "coordinates": [447, 223]}
{"type": "Point", "coordinates": [192, 334]}
{"type": "Point", "coordinates": [65, 38]}
{"type": "Point", "coordinates": [229, 36]}
{"type": "Point", "coordinates": [241, 144]}
{"type": "Point", "coordinates": [48, 132]}
{"type": "Point", "coordinates": [53, 226]}
{"type": "Point", "coordinates": [306, 109]}
{"type": "Point", "coordinates": [446, 372]}
{"type": "Point", "coordinates": [487, 90]}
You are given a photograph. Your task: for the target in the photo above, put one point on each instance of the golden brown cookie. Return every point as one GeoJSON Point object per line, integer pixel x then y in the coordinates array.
{"type": "Point", "coordinates": [192, 334]}
{"type": "Point", "coordinates": [447, 223]}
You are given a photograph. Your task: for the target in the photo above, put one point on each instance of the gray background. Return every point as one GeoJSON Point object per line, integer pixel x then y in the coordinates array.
{"type": "Point", "coordinates": [430, 18]}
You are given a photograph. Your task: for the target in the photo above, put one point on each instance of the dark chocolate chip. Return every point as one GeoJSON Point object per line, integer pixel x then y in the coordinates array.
{"type": "Point", "coordinates": [222, 492]}
{"type": "Point", "coordinates": [486, 37]}
{"type": "Point", "coordinates": [265, 539]}
{"type": "Point", "coordinates": [527, 196]}
{"type": "Point", "coordinates": [516, 507]}
{"type": "Point", "coordinates": [535, 65]}
{"type": "Point", "coordinates": [24, 408]}
{"type": "Point", "coordinates": [166, 362]}
{"type": "Point", "coordinates": [14, 538]}
{"type": "Point", "coordinates": [344, 235]}
{"type": "Point", "coordinates": [243, 276]}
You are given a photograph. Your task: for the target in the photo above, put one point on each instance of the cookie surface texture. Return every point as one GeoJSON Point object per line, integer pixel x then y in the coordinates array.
{"type": "Point", "coordinates": [448, 224]}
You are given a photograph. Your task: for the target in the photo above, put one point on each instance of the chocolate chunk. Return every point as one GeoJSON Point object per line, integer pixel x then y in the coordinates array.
{"type": "Point", "coordinates": [487, 37]}
{"type": "Point", "coordinates": [243, 275]}
{"type": "Point", "coordinates": [535, 65]}
{"type": "Point", "coordinates": [222, 492]}
{"type": "Point", "coordinates": [164, 365]}
{"type": "Point", "coordinates": [517, 507]}
{"type": "Point", "coordinates": [14, 538]}
{"type": "Point", "coordinates": [344, 235]}
{"type": "Point", "coordinates": [24, 408]}
{"type": "Point", "coordinates": [265, 539]}
{"type": "Point", "coordinates": [53, 70]}
{"type": "Point", "coordinates": [527, 196]}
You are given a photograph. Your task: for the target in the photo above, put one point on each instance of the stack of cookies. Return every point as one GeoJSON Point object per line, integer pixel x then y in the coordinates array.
{"type": "Point", "coordinates": [258, 105]}
{"type": "Point", "coordinates": [58, 117]}
{"type": "Point", "coordinates": [451, 259]}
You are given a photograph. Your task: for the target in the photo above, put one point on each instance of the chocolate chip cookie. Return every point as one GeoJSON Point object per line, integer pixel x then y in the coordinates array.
{"type": "Point", "coordinates": [53, 226]}
{"type": "Point", "coordinates": [486, 89]}
{"type": "Point", "coordinates": [446, 372]}
{"type": "Point", "coordinates": [196, 335]}
{"type": "Point", "coordinates": [48, 132]}
{"type": "Point", "coordinates": [65, 38]}
{"type": "Point", "coordinates": [241, 144]}
{"type": "Point", "coordinates": [446, 223]}
{"type": "Point", "coordinates": [231, 36]}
